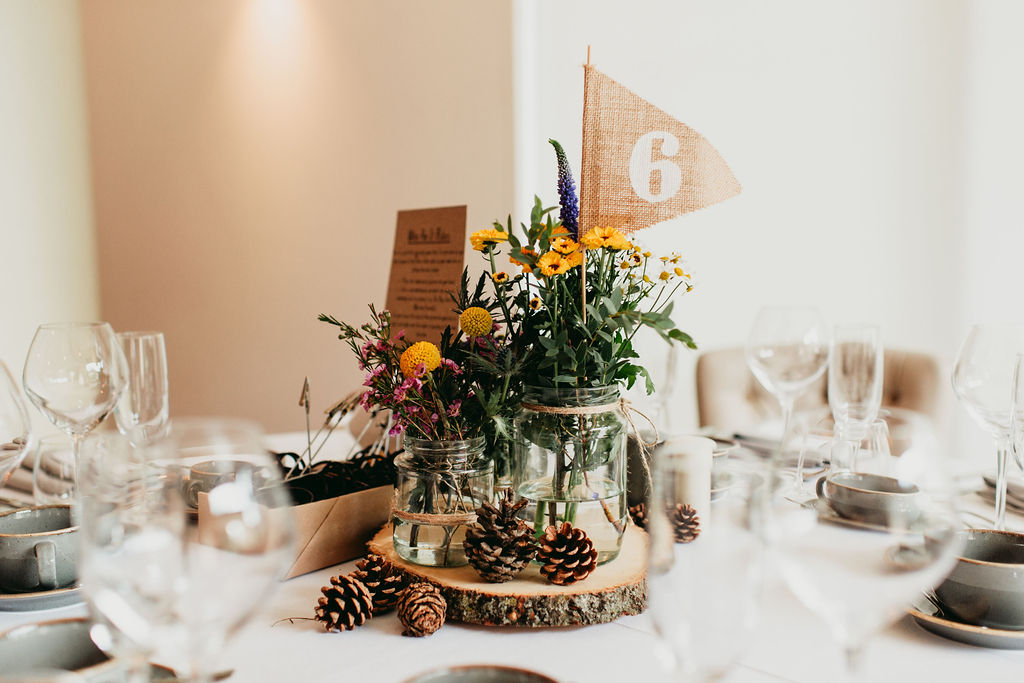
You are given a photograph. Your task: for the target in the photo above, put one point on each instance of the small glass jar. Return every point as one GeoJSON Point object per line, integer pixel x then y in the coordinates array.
{"type": "Point", "coordinates": [569, 462]}
{"type": "Point", "coordinates": [439, 486]}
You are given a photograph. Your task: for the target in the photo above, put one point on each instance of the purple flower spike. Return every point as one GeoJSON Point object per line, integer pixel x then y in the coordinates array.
{"type": "Point", "coordinates": [569, 210]}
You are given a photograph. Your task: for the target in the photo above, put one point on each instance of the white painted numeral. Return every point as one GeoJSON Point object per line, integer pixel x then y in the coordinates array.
{"type": "Point", "coordinates": [642, 165]}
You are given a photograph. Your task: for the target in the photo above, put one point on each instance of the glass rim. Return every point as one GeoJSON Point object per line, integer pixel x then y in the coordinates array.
{"type": "Point", "coordinates": [74, 325]}
{"type": "Point", "coordinates": [140, 334]}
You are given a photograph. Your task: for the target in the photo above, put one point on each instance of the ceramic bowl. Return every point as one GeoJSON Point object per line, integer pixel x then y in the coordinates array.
{"type": "Point", "coordinates": [481, 674]}
{"type": "Point", "coordinates": [986, 587]}
{"type": "Point", "coordinates": [870, 498]}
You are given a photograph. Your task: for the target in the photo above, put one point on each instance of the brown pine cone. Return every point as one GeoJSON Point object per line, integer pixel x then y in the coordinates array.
{"type": "Point", "coordinates": [685, 523]}
{"type": "Point", "coordinates": [385, 584]}
{"type": "Point", "coordinates": [566, 554]}
{"type": "Point", "coordinates": [639, 514]}
{"type": "Point", "coordinates": [421, 609]}
{"type": "Point", "coordinates": [346, 603]}
{"type": "Point", "coordinates": [500, 544]}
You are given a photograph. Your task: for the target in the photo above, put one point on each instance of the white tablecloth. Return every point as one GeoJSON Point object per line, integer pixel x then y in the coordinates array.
{"type": "Point", "coordinates": [791, 645]}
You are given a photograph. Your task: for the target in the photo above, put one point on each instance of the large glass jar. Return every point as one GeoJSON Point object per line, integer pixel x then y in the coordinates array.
{"type": "Point", "coordinates": [569, 462]}
{"type": "Point", "coordinates": [439, 486]}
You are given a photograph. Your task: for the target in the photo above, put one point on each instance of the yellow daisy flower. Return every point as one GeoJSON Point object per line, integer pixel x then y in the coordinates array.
{"type": "Point", "coordinates": [553, 263]}
{"type": "Point", "coordinates": [476, 321]}
{"type": "Point", "coordinates": [623, 264]}
{"type": "Point", "coordinates": [535, 303]}
{"type": "Point", "coordinates": [481, 239]}
{"type": "Point", "coordinates": [607, 238]}
{"type": "Point", "coordinates": [500, 276]}
{"type": "Point", "coordinates": [564, 245]}
{"type": "Point", "coordinates": [526, 267]}
{"type": "Point", "coordinates": [421, 352]}
{"type": "Point", "coordinates": [635, 259]}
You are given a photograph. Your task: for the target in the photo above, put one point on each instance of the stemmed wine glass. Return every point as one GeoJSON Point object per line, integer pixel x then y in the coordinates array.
{"type": "Point", "coordinates": [704, 593]}
{"type": "Point", "coordinates": [983, 380]}
{"type": "Point", "coordinates": [854, 383]}
{"type": "Point", "coordinates": [144, 406]}
{"type": "Point", "coordinates": [879, 535]}
{"type": "Point", "coordinates": [1017, 412]}
{"type": "Point", "coordinates": [74, 374]}
{"type": "Point", "coordinates": [15, 432]}
{"type": "Point", "coordinates": [787, 350]}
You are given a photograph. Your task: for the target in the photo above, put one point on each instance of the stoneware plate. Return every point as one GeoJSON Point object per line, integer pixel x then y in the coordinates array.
{"type": "Point", "coordinates": [24, 602]}
{"type": "Point", "coordinates": [927, 615]}
{"type": "Point", "coordinates": [481, 674]}
{"type": "Point", "coordinates": [62, 645]}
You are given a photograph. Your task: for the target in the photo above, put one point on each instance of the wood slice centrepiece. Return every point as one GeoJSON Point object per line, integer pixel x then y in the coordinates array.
{"type": "Point", "coordinates": [615, 589]}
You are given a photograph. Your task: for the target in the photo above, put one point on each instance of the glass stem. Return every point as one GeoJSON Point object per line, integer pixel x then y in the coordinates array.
{"type": "Point", "coordinates": [786, 404]}
{"type": "Point", "coordinates": [854, 656]}
{"type": "Point", "coordinates": [1002, 451]}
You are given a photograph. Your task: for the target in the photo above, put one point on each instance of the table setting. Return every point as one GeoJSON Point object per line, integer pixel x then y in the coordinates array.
{"type": "Point", "coordinates": [489, 505]}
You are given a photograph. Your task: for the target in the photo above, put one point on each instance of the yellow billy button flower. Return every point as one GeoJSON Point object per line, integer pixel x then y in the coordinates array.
{"type": "Point", "coordinates": [681, 273]}
{"type": "Point", "coordinates": [482, 239]}
{"type": "Point", "coordinates": [420, 352]}
{"type": "Point", "coordinates": [607, 238]}
{"type": "Point", "coordinates": [647, 254]}
{"type": "Point", "coordinates": [623, 264]}
{"type": "Point", "coordinates": [476, 321]}
{"type": "Point", "coordinates": [535, 303]}
{"type": "Point", "coordinates": [564, 245]}
{"type": "Point", "coordinates": [647, 279]}
{"type": "Point", "coordinates": [500, 276]}
{"type": "Point", "coordinates": [664, 275]}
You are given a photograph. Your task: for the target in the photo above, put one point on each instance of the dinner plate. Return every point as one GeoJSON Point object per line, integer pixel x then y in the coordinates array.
{"type": "Point", "coordinates": [931, 619]}
{"type": "Point", "coordinates": [24, 602]}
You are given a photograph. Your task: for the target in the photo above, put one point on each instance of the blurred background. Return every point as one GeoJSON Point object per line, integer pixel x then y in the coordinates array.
{"type": "Point", "coordinates": [225, 171]}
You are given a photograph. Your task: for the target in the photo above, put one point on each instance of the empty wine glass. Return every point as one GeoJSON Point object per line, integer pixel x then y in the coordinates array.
{"type": "Point", "coordinates": [74, 374]}
{"type": "Point", "coordinates": [855, 380]}
{"type": "Point", "coordinates": [144, 405]}
{"type": "Point", "coordinates": [787, 350]}
{"type": "Point", "coordinates": [880, 534]}
{"type": "Point", "coordinates": [131, 541]}
{"type": "Point", "coordinates": [983, 380]}
{"type": "Point", "coordinates": [15, 434]}
{"type": "Point", "coordinates": [53, 473]}
{"type": "Point", "coordinates": [704, 593]}
{"type": "Point", "coordinates": [244, 541]}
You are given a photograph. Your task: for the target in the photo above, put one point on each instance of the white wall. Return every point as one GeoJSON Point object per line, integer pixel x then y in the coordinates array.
{"type": "Point", "coordinates": [46, 231]}
{"type": "Point", "coordinates": [843, 121]}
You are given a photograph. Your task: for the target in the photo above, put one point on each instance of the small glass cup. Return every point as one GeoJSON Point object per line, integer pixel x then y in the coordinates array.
{"type": "Point", "coordinates": [53, 475]}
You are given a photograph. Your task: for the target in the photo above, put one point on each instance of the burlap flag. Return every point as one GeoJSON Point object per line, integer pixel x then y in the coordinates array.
{"type": "Point", "coordinates": [640, 165]}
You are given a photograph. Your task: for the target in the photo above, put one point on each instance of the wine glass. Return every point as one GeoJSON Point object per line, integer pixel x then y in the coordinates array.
{"type": "Point", "coordinates": [983, 380]}
{"type": "Point", "coordinates": [244, 541]}
{"type": "Point", "coordinates": [704, 593]}
{"type": "Point", "coordinates": [15, 433]}
{"type": "Point", "coordinates": [787, 350]}
{"type": "Point", "coordinates": [131, 541]}
{"type": "Point", "coordinates": [879, 534]}
{"type": "Point", "coordinates": [855, 380]}
{"type": "Point", "coordinates": [144, 405]}
{"type": "Point", "coordinates": [53, 473]}
{"type": "Point", "coordinates": [1017, 412]}
{"type": "Point", "coordinates": [74, 374]}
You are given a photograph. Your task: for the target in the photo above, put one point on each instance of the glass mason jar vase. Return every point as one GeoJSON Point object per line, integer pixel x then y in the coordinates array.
{"type": "Point", "coordinates": [439, 486]}
{"type": "Point", "coordinates": [569, 462]}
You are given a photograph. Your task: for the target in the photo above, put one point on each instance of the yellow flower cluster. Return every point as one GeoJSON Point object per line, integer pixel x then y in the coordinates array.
{"type": "Point", "coordinates": [481, 239]}
{"type": "Point", "coordinates": [420, 352]}
{"type": "Point", "coordinates": [476, 321]}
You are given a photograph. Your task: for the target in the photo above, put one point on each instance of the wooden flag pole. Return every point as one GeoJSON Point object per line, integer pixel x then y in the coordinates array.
{"type": "Point", "coordinates": [583, 249]}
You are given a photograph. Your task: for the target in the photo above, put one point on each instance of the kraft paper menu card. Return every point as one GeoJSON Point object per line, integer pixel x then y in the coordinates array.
{"type": "Point", "coordinates": [426, 264]}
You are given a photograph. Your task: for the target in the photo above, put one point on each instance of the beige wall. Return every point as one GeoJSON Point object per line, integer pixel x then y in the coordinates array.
{"type": "Point", "coordinates": [46, 236]}
{"type": "Point", "coordinates": [248, 159]}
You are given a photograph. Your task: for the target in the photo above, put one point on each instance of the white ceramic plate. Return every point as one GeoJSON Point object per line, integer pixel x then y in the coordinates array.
{"type": "Point", "coordinates": [24, 602]}
{"type": "Point", "coordinates": [927, 615]}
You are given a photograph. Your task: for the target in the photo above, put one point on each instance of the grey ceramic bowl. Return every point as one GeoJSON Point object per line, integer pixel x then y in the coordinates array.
{"type": "Point", "coordinates": [870, 498]}
{"type": "Point", "coordinates": [481, 674]}
{"type": "Point", "coordinates": [37, 549]}
{"type": "Point", "coordinates": [986, 587]}
{"type": "Point", "coordinates": [61, 645]}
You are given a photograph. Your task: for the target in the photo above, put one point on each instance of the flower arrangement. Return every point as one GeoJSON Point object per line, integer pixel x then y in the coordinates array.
{"type": "Point", "coordinates": [578, 301]}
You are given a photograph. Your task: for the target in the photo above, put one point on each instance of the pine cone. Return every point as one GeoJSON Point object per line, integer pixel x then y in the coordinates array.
{"type": "Point", "coordinates": [384, 583]}
{"type": "Point", "coordinates": [500, 544]}
{"type": "Point", "coordinates": [685, 522]}
{"type": "Point", "coordinates": [567, 555]}
{"type": "Point", "coordinates": [639, 514]}
{"type": "Point", "coordinates": [421, 609]}
{"type": "Point", "coordinates": [346, 604]}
